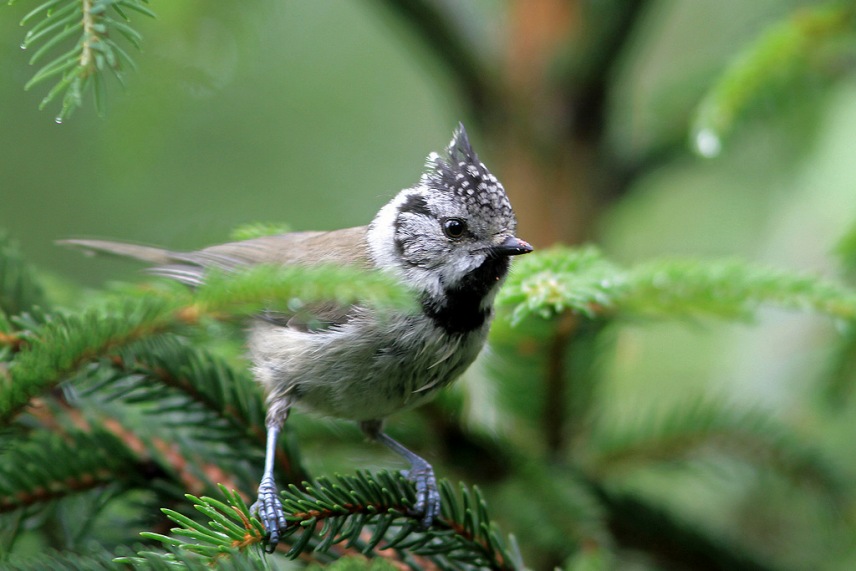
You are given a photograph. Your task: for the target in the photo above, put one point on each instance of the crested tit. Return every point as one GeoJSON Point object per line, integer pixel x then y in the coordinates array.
{"type": "Point", "coordinates": [448, 238]}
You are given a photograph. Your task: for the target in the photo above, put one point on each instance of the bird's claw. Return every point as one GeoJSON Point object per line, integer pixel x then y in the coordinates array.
{"type": "Point", "coordinates": [270, 512]}
{"type": "Point", "coordinates": [427, 505]}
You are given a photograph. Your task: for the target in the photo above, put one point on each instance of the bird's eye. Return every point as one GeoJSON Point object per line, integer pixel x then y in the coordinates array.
{"type": "Point", "coordinates": [454, 227]}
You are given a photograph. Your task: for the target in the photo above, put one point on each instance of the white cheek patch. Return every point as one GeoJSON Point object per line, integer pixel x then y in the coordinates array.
{"type": "Point", "coordinates": [381, 234]}
{"type": "Point", "coordinates": [459, 266]}
{"type": "Point", "coordinates": [382, 245]}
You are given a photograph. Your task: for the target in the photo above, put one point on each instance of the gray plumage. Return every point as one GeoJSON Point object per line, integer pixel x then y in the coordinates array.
{"type": "Point", "coordinates": [448, 238]}
{"type": "Point", "coordinates": [292, 248]}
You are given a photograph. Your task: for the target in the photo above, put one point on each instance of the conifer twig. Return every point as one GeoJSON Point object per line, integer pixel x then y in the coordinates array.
{"type": "Point", "coordinates": [342, 510]}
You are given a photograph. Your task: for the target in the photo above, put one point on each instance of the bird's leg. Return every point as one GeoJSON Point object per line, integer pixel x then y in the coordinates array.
{"type": "Point", "coordinates": [268, 507]}
{"type": "Point", "coordinates": [421, 473]}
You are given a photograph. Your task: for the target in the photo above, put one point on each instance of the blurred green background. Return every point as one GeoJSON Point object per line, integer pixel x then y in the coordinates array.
{"type": "Point", "coordinates": [316, 113]}
{"type": "Point", "coordinates": [311, 113]}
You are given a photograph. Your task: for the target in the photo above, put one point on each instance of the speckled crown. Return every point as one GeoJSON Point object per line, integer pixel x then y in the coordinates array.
{"type": "Point", "coordinates": [464, 175]}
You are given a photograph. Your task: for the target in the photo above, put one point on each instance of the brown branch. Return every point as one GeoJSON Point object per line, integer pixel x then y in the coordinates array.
{"type": "Point", "coordinates": [293, 471]}
{"type": "Point", "coordinates": [555, 389]}
{"type": "Point", "coordinates": [375, 508]}
{"type": "Point", "coordinates": [57, 489]}
{"type": "Point", "coordinates": [154, 327]}
{"type": "Point", "coordinates": [14, 342]}
{"type": "Point", "coordinates": [141, 450]}
{"type": "Point", "coordinates": [674, 543]}
{"type": "Point", "coordinates": [440, 32]}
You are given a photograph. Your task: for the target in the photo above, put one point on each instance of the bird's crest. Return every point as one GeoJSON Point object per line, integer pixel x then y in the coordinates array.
{"type": "Point", "coordinates": [461, 173]}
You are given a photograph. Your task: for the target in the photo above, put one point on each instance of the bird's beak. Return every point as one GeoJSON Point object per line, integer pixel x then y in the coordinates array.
{"type": "Point", "coordinates": [512, 246]}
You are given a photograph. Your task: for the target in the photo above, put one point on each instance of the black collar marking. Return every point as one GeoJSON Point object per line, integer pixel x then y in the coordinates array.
{"type": "Point", "coordinates": [460, 310]}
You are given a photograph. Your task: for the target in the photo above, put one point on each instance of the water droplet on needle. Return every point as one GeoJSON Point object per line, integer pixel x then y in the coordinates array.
{"type": "Point", "coordinates": [707, 143]}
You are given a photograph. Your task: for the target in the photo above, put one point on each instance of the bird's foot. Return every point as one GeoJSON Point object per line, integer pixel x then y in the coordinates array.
{"type": "Point", "coordinates": [269, 510]}
{"type": "Point", "coordinates": [427, 505]}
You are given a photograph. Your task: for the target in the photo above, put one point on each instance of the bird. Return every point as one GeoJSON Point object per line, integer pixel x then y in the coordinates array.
{"type": "Point", "coordinates": [449, 239]}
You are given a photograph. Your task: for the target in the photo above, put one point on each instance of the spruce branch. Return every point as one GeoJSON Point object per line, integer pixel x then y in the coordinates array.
{"type": "Point", "coordinates": [845, 250]}
{"type": "Point", "coordinates": [45, 466]}
{"type": "Point", "coordinates": [555, 509]}
{"type": "Point", "coordinates": [675, 542]}
{"type": "Point", "coordinates": [64, 342]}
{"type": "Point", "coordinates": [271, 287]}
{"type": "Point", "coordinates": [85, 32]}
{"type": "Point", "coordinates": [185, 387]}
{"type": "Point", "coordinates": [549, 282]}
{"type": "Point", "coordinates": [20, 289]}
{"type": "Point", "coordinates": [359, 563]}
{"type": "Point", "coordinates": [199, 383]}
{"type": "Point", "coordinates": [163, 451]}
{"type": "Point", "coordinates": [9, 342]}
{"type": "Point", "coordinates": [680, 431]}
{"type": "Point", "coordinates": [257, 230]}
{"type": "Point", "coordinates": [803, 43]}
{"type": "Point", "coordinates": [368, 513]}
{"type": "Point", "coordinates": [730, 289]}
{"type": "Point", "coordinates": [582, 281]}
{"type": "Point", "coordinates": [62, 560]}
{"type": "Point", "coordinates": [840, 371]}
{"type": "Point", "coordinates": [174, 559]}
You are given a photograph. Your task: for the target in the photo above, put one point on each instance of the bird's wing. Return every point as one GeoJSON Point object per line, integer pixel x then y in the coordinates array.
{"type": "Point", "coordinates": [342, 247]}
{"type": "Point", "coordinates": [312, 317]}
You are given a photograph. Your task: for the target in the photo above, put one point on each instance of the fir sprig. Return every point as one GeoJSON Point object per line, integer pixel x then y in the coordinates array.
{"type": "Point", "coordinates": [187, 388]}
{"type": "Point", "coordinates": [230, 529]}
{"type": "Point", "coordinates": [277, 287]}
{"type": "Point", "coordinates": [45, 466]}
{"type": "Point", "coordinates": [730, 289]}
{"type": "Point", "coordinates": [63, 560]}
{"type": "Point", "coordinates": [65, 341]}
{"type": "Point", "coordinates": [85, 32]}
{"type": "Point", "coordinates": [677, 432]}
{"type": "Point", "coordinates": [188, 561]}
{"type": "Point", "coordinates": [793, 48]}
{"type": "Point", "coordinates": [584, 282]}
{"type": "Point", "coordinates": [68, 341]}
{"type": "Point", "coordinates": [20, 289]}
{"type": "Point", "coordinates": [367, 513]}
{"type": "Point", "coordinates": [552, 281]}
{"type": "Point", "coordinates": [198, 383]}
{"type": "Point", "coordinates": [258, 230]}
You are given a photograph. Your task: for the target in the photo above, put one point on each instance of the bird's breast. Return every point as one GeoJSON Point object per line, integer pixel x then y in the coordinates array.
{"type": "Point", "coordinates": [368, 369]}
{"type": "Point", "coordinates": [466, 306]}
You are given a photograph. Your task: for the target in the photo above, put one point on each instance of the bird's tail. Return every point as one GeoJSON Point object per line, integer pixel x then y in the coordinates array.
{"type": "Point", "coordinates": [157, 256]}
